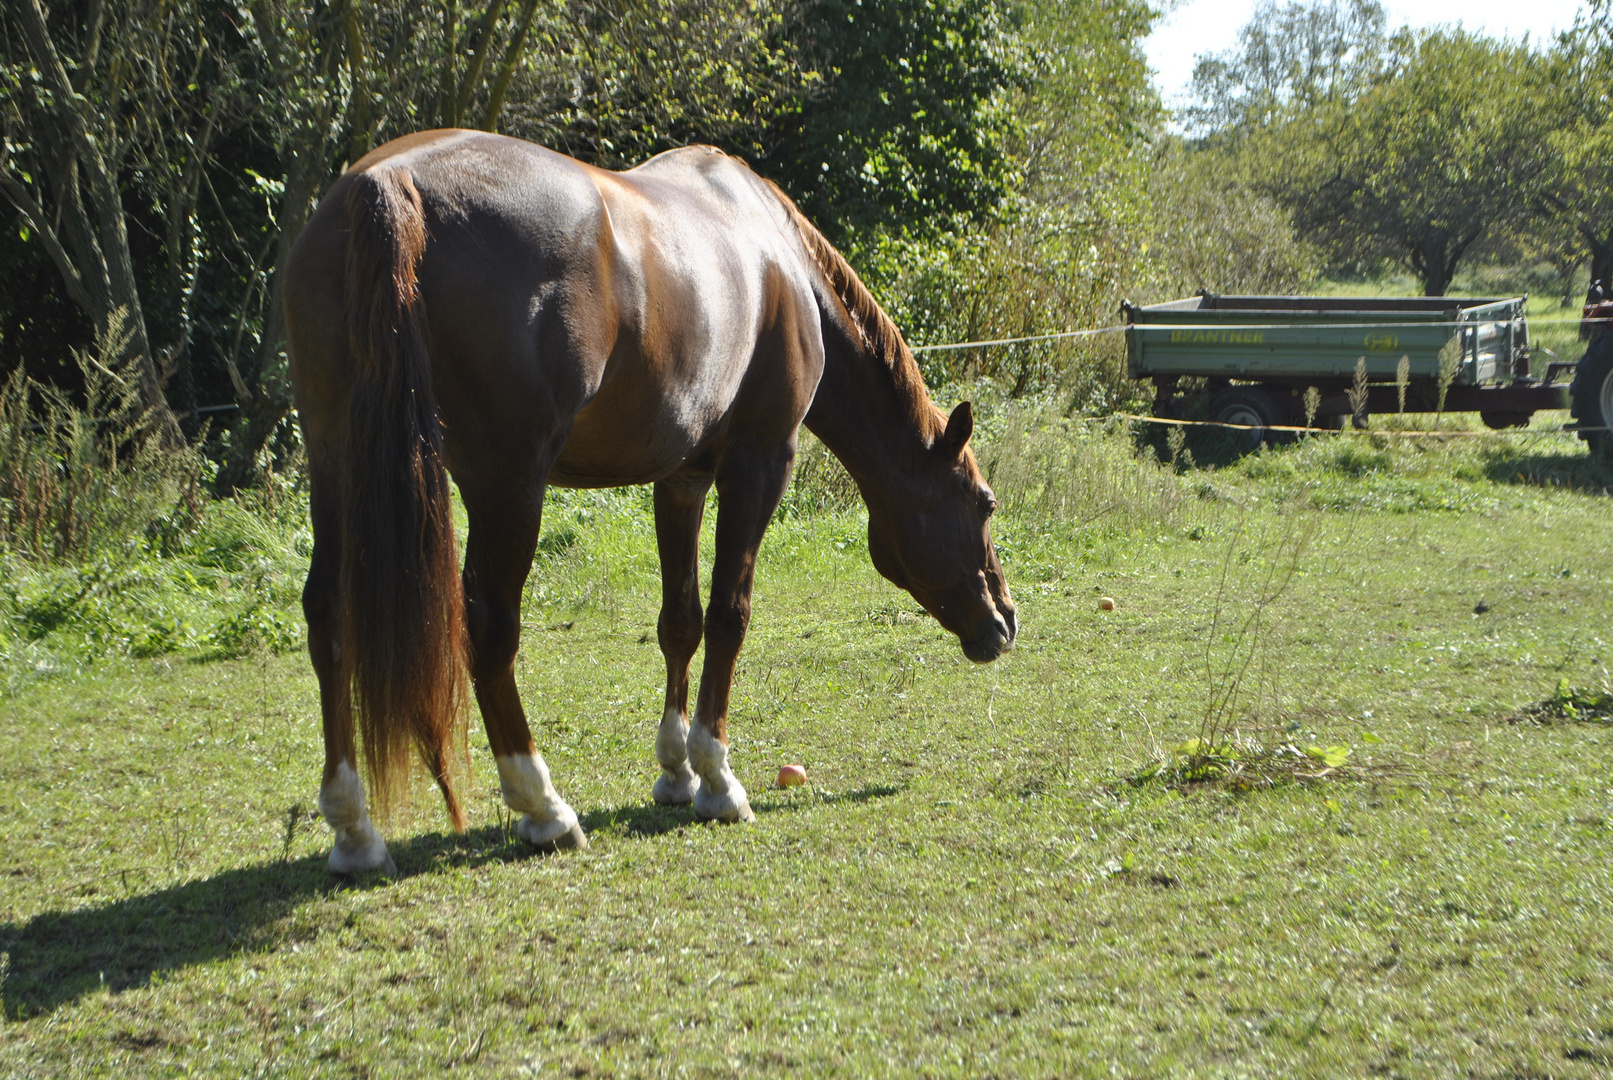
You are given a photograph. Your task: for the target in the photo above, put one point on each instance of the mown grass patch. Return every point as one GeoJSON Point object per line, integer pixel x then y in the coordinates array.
{"type": "Point", "coordinates": [968, 886]}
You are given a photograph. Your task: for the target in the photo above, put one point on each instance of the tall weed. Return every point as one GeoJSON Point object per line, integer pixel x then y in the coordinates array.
{"type": "Point", "coordinates": [1046, 466]}
{"type": "Point", "coordinates": [79, 481]}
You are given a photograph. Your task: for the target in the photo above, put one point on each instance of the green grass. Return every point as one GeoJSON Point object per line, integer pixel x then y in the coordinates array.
{"type": "Point", "coordinates": [977, 881]}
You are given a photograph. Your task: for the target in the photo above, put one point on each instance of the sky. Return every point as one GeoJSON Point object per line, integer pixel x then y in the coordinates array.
{"type": "Point", "coordinates": [1204, 26]}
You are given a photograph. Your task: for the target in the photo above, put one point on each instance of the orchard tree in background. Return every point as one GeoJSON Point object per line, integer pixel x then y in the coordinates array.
{"type": "Point", "coordinates": [1577, 194]}
{"type": "Point", "coordinates": [1289, 59]}
{"type": "Point", "coordinates": [1447, 143]}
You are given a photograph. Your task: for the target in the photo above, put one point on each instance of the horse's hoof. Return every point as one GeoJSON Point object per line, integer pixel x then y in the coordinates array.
{"type": "Point", "coordinates": [372, 856]}
{"type": "Point", "coordinates": [563, 832]}
{"type": "Point", "coordinates": [729, 807]}
{"type": "Point", "coordinates": [675, 790]}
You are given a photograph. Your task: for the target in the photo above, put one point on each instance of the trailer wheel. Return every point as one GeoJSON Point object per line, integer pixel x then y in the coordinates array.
{"type": "Point", "coordinates": [1591, 393]}
{"type": "Point", "coordinates": [1249, 405]}
{"type": "Point", "coordinates": [1500, 421]}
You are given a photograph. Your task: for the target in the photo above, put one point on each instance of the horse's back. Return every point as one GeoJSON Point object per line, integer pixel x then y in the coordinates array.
{"type": "Point", "coordinates": [619, 312]}
{"type": "Point", "coordinates": [712, 270]}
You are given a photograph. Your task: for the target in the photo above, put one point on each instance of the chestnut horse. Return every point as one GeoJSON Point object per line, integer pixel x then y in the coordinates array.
{"type": "Point", "coordinates": [471, 306]}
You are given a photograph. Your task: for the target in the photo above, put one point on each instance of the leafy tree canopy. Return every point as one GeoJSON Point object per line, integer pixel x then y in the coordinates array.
{"type": "Point", "coordinates": [1576, 196]}
{"type": "Point", "coordinates": [906, 127]}
{"type": "Point", "coordinates": [1289, 57]}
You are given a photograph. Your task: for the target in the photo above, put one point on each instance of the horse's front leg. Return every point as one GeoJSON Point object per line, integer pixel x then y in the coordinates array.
{"type": "Point", "coordinates": [749, 486]}
{"type": "Point", "coordinates": [680, 503]}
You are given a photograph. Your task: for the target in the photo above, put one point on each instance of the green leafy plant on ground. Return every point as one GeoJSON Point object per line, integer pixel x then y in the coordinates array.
{"type": "Point", "coordinates": [1574, 704]}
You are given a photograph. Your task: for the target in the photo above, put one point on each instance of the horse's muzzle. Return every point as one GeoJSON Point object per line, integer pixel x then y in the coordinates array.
{"type": "Point", "coordinates": [995, 637]}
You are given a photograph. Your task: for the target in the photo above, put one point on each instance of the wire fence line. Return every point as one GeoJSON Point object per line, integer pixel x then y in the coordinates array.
{"type": "Point", "coordinates": [1019, 340]}
{"type": "Point", "coordinates": [1065, 335]}
{"type": "Point", "coordinates": [1242, 326]}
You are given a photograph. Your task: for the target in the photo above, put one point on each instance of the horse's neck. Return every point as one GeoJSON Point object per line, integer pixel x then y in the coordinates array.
{"type": "Point", "coordinates": [860, 414]}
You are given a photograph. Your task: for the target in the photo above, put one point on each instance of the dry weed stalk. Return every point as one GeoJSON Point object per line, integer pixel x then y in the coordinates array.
{"type": "Point", "coordinates": [1239, 738]}
{"type": "Point", "coordinates": [75, 480]}
{"type": "Point", "coordinates": [1358, 394]}
{"type": "Point", "coordinates": [1450, 365]}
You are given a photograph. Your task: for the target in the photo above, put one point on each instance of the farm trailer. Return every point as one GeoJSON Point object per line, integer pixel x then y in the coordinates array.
{"type": "Point", "coordinates": [1252, 358]}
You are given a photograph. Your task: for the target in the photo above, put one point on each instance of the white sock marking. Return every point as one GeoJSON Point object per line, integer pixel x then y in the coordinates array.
{"type": "Point", "coordinates": [721, 795]}
{"type": "Point", "coordinates": [528, 790]}
{"type": "Point", "coordinates": [672, 740]}
{"type": "Point", "coordinates": [358, 845]}
{"type": "Point", "coordinates": [677, 784]}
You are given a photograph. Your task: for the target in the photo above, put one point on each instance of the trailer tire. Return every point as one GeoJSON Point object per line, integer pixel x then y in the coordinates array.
{"type": "Point", "coordinates": [1591, 394]}
{"type": "Point", "coordinates": [1249, 405]}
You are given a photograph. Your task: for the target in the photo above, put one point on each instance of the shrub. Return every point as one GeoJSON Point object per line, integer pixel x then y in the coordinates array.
{"type": "Point", "coordinates": [1209, 231]}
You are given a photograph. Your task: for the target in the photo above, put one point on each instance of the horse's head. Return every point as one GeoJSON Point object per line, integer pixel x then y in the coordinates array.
{"type": "Point", "coordinates": [933, 539]}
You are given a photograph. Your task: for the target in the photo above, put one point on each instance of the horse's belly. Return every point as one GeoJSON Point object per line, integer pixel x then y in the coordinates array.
{"type": "Point", "coordinates": [612, 446]}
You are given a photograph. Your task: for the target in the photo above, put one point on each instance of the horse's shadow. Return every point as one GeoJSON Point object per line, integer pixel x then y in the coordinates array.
{"type": "Point", "coordinates": [57, 957]}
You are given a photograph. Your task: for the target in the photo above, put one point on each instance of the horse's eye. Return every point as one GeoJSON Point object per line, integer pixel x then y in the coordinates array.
{"type": "Point", "coordinates": [989, 506]}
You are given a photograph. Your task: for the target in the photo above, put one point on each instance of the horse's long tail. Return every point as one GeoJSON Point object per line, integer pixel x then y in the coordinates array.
{"type": "Point", "coordinates": [403, 605]}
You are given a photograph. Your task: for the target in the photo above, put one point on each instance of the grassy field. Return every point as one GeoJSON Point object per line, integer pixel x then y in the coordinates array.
{"type": "Point", "coordinates": [992, 872]}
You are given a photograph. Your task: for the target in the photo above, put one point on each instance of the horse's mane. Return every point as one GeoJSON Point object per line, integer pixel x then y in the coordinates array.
{"type": "Point", "coordinates": [878, 332]}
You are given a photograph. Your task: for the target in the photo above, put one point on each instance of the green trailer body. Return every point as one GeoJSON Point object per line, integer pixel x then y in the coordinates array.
{"type": "Point", "coordinates": [1254, 359]}
{"type": "Point", "coordinates": [1296, 338]}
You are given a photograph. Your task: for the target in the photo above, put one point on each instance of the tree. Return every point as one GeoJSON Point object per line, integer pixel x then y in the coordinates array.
{"type": "Point", "coordinates": [1446, 144]}
{"type": "Point", "coordinates": [616, 84]}
{"type": "Point", "coordinates": [1213, 232]}
{"type": "Point", "coordinates": [906, 128]}
{"type": "Point", "coordinates": [91, 98]}
{"type": "Point", "coordinates": [1577, 193]}
{"type": "Point", "coordinates": [1069, 237]}
{"type": "Point", "coordinates": [1289, 58]}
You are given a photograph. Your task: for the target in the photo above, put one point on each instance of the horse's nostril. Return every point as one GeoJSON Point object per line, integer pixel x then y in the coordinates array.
{"type": "Point", "coordinates": [1007, 625]}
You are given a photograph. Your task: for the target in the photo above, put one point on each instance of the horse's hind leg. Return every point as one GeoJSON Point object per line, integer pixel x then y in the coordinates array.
{"type": "Point", "coordinates": [498, 556]}
{"type": "Point", "coordinates": [680, 502]}
{"type": "Point", "coordinates": [358, 846]}
{"type": "Point", "coordinates": [749, 486]}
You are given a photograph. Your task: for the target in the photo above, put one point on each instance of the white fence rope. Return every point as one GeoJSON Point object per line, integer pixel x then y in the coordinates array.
{"type": "Point", "coordinates": [1065, 335]}
{"type": "Point", "coordinates": [1240, 327]}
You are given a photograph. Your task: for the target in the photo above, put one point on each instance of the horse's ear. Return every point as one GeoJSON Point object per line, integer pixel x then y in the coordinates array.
{"type": "Point", "coordinates": [960, 425]}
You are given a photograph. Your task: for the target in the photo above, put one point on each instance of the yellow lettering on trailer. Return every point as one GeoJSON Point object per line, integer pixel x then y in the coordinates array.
{"type": "Point", "coordinates": [1382, 342]}
{"type": "Point", "coordinates": [1218, 337]}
